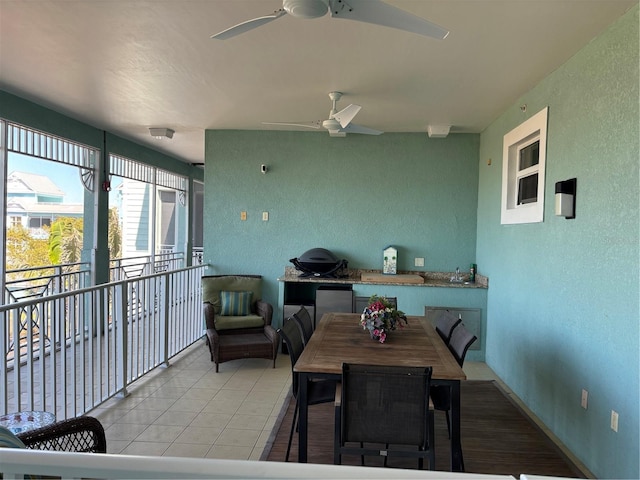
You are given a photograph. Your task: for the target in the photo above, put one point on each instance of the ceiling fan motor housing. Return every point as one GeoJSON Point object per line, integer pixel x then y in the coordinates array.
{"type": "Point", "coordinates": [331, 124]}
{"type": "Point", "coordinates": [306, 8]}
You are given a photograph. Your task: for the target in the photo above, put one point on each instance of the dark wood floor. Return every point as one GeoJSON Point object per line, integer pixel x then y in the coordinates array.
{"type": "Point", "coordinates": [497, 438]}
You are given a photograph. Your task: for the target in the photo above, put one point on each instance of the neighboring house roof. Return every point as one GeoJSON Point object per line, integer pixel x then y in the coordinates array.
{"type": "Point", "coordinates": [23, 182]}
{"type": "Point", "coordinates": [57, 209]}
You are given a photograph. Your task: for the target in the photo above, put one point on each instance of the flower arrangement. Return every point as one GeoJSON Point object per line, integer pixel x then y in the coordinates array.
{"type": "Point", "coordinates": [380, 317]}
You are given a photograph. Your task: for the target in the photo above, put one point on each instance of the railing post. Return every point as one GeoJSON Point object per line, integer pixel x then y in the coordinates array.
{"type": "Point", "coordinates": [121, 324]}
{"type": "Point", "coordinates": [4, 368]}
{"type": "Point", "coordinates": [165, 283]}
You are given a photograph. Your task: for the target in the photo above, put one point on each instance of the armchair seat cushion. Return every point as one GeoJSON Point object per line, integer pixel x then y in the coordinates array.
{"type": "Point", "coordinates": [243, 321]}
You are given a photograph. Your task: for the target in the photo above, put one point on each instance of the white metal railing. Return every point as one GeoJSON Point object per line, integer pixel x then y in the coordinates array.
{"type": "Point", "coordinates": [26, 283]}
{"type": "Point", "coordinates": [85, 346]}
{"type": "Point", "coordinates": [14, 463]}
{"type": "Point", "coordinates": [130, 267]}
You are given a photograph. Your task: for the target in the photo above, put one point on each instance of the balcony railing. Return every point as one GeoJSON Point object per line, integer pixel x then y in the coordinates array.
{"type": "Point", "coordinates": [130, 267]}
{"type": "Point", "coordinates": [80, 348]}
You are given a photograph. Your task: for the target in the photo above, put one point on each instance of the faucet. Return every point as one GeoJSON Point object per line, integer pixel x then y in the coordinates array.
{"type": "Point", "coordinates": [456, 278]}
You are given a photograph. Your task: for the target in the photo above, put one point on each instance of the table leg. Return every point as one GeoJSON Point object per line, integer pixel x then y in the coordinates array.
{"type": "Point", "coordinates": [456, 446]}
{"type": "Point", "coordinates": [303, 416]}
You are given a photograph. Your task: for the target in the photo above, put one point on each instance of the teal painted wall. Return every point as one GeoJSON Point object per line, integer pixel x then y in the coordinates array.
{"type": "Point", "coordinates": [563, 300]}
{"type": "Point", "coordinates": [353, 196]}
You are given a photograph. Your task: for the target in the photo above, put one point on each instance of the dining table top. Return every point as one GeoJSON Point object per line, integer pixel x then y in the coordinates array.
{"type": "Point", "coordinates": [339, 338]}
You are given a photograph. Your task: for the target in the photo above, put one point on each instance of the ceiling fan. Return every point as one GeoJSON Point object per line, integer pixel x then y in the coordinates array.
{"type": "Point", "coordinates": [369, 11]}
{"type": "Point", "coordinates": [339, 122]}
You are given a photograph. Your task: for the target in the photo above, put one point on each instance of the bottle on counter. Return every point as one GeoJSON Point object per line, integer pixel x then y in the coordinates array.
{"type": "Point", "coordinates": [472, 272]}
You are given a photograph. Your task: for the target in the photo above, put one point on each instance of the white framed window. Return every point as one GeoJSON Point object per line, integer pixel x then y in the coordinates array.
{"type": "Point", "coordinates": [524, 153]}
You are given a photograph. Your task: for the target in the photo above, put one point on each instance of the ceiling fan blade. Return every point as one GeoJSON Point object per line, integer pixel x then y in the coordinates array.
{"type": "Point", "coordinates": [248, 25]}
{"type": "Point", "coordinates": [315, 124]}
{"type": "Point", "coordinates": [345, 115]}
{"type": "Point", "coordinates": [353, 128]}
{"type": "Point", "coordinates": [380, 13]}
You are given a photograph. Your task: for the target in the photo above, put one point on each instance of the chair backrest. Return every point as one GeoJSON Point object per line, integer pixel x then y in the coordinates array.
{"type": "Point", "coordinates": [445, 325]}
{"type": "Point", "coordinates": [385, 404]}
{"type": "Point", "coordinates": [461, 340]}
{"type": "Point", "coordinates": [303, 318]}
{"type": "Point", "coordinates": [212, 285]}
{"type": "Point", "coordinates": [292, 336]}
{"type": "Point", "coordinates": [78, 434]}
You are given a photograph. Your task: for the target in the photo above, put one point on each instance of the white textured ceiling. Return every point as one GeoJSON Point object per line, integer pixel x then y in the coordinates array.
{"type": "Point", "coordinates": [127, 65]}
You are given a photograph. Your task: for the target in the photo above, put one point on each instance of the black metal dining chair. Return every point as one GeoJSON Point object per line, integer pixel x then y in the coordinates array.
{"type": "Point", "coordinates": [303, 318]}
{"type": "Point", "coordinates": [319, 391]}
{"type": "Point", "coordinates": [384, 411]}
{"type": "Point", "coordinates": [445, 324]}
{"type": "Point", "coordinates": [460, 341]}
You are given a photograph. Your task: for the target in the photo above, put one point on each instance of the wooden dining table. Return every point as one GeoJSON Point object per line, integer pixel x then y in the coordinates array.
{"type": "Point", "coordinates": [339, 339]}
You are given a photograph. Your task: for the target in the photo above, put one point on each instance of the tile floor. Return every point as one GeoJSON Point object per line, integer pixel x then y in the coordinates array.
{"type": "Point", "coordinates": [189, 410]}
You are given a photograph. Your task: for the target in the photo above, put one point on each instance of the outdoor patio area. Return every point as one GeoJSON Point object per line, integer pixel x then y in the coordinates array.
{"type": "Point", "coordinates": [189, 410]}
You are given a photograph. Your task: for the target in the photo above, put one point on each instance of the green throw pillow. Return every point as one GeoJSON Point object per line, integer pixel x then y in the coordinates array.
{"type": "Point", "coordinates": [235, 303]}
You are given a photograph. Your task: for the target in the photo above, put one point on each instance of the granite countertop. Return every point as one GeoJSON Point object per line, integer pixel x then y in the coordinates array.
{"type": "Point", "coordinates": [354, 276]}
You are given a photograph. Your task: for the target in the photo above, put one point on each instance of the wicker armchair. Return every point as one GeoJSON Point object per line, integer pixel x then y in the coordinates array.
{"type": "Point", "coordinates": [79, 434]}
{"type": "Point", "coordinates": [234, 332]}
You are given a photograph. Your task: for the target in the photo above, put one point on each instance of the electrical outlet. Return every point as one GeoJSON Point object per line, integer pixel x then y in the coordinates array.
{"type": "Point", "coordinates": [419, 262]}
{"type": "Point", "coordinates": [585, 397]}
{"type": "Point", "coordinates": [265, 216]}
{"type": "Point", "coordinates": [614, 420]}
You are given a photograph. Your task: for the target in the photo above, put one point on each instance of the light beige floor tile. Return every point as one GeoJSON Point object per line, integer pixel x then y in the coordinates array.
{"type": "Point", "coordinates": [263, 386]}
{"type": "Point", "coordinates": [156, 403]}
{"type": "Point", "coordinates": [256, 453]}
{"type": "Point", "coordinates": [201, 435]}
{"type": "Point", "coordinates": [182, 382]}
{"type": "Point", "coordinates": [146, 448]}
{"type": "Point", "coordinates": [238, 437]}
{"type": "Point", "coordinates": [230, 452]}
{"type": "Point", "coordinates": [256, 408]}
{"type": "Point", "coordinates": [191, 450]}
{"type": "Point", "coordinates": [140, 416]}
{"type": "Point", "coordinates": [117, 446]}
{"type": "Point", "coordinates": [126, 403]}
{"type": "Point", "coordinates": [124, 431]}
{"type": "Point", "coordinates": [107, 416]}
{"type": "Point", "coordinates": [200, 393]}
{"type": "Point", "coordinates": [247, 422]}
{"type": "Point", "coordinates": [222, 406]}
{"type": "Point", "coordinates": [175, 418]}
{"type": "Point", "coordinates": [263, 396]}
{"type": "Point", "coordinates": [189, 404]}
{"type": "Point", "coordinates": [216, 420]}
{"type": "Point", "coordinates": [160, 433]}
{"type": "Point", "coordinates": [169, 392]}
{"type": "Point", "coordinates": [231, 395]}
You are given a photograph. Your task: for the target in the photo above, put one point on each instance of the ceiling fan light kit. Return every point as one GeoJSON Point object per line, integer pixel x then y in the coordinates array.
{"type": "Point", "coordinates": [160, 133]}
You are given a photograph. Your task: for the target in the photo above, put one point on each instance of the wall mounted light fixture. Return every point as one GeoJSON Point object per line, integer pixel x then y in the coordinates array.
{"type": "Point", "coordinates": [566, 198]}
{"type": "Point", "coordinates": [160, 133]}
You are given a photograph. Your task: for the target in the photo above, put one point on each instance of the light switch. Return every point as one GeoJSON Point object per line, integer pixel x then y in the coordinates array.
{"type": "Point", "coordinates": [243, 215]}
{"type": "Point", "coordinates": [265, 216]}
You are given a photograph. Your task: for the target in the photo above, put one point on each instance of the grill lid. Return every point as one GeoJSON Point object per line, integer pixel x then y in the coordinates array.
{"type": "Point", "coordinates": [319, 262]}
